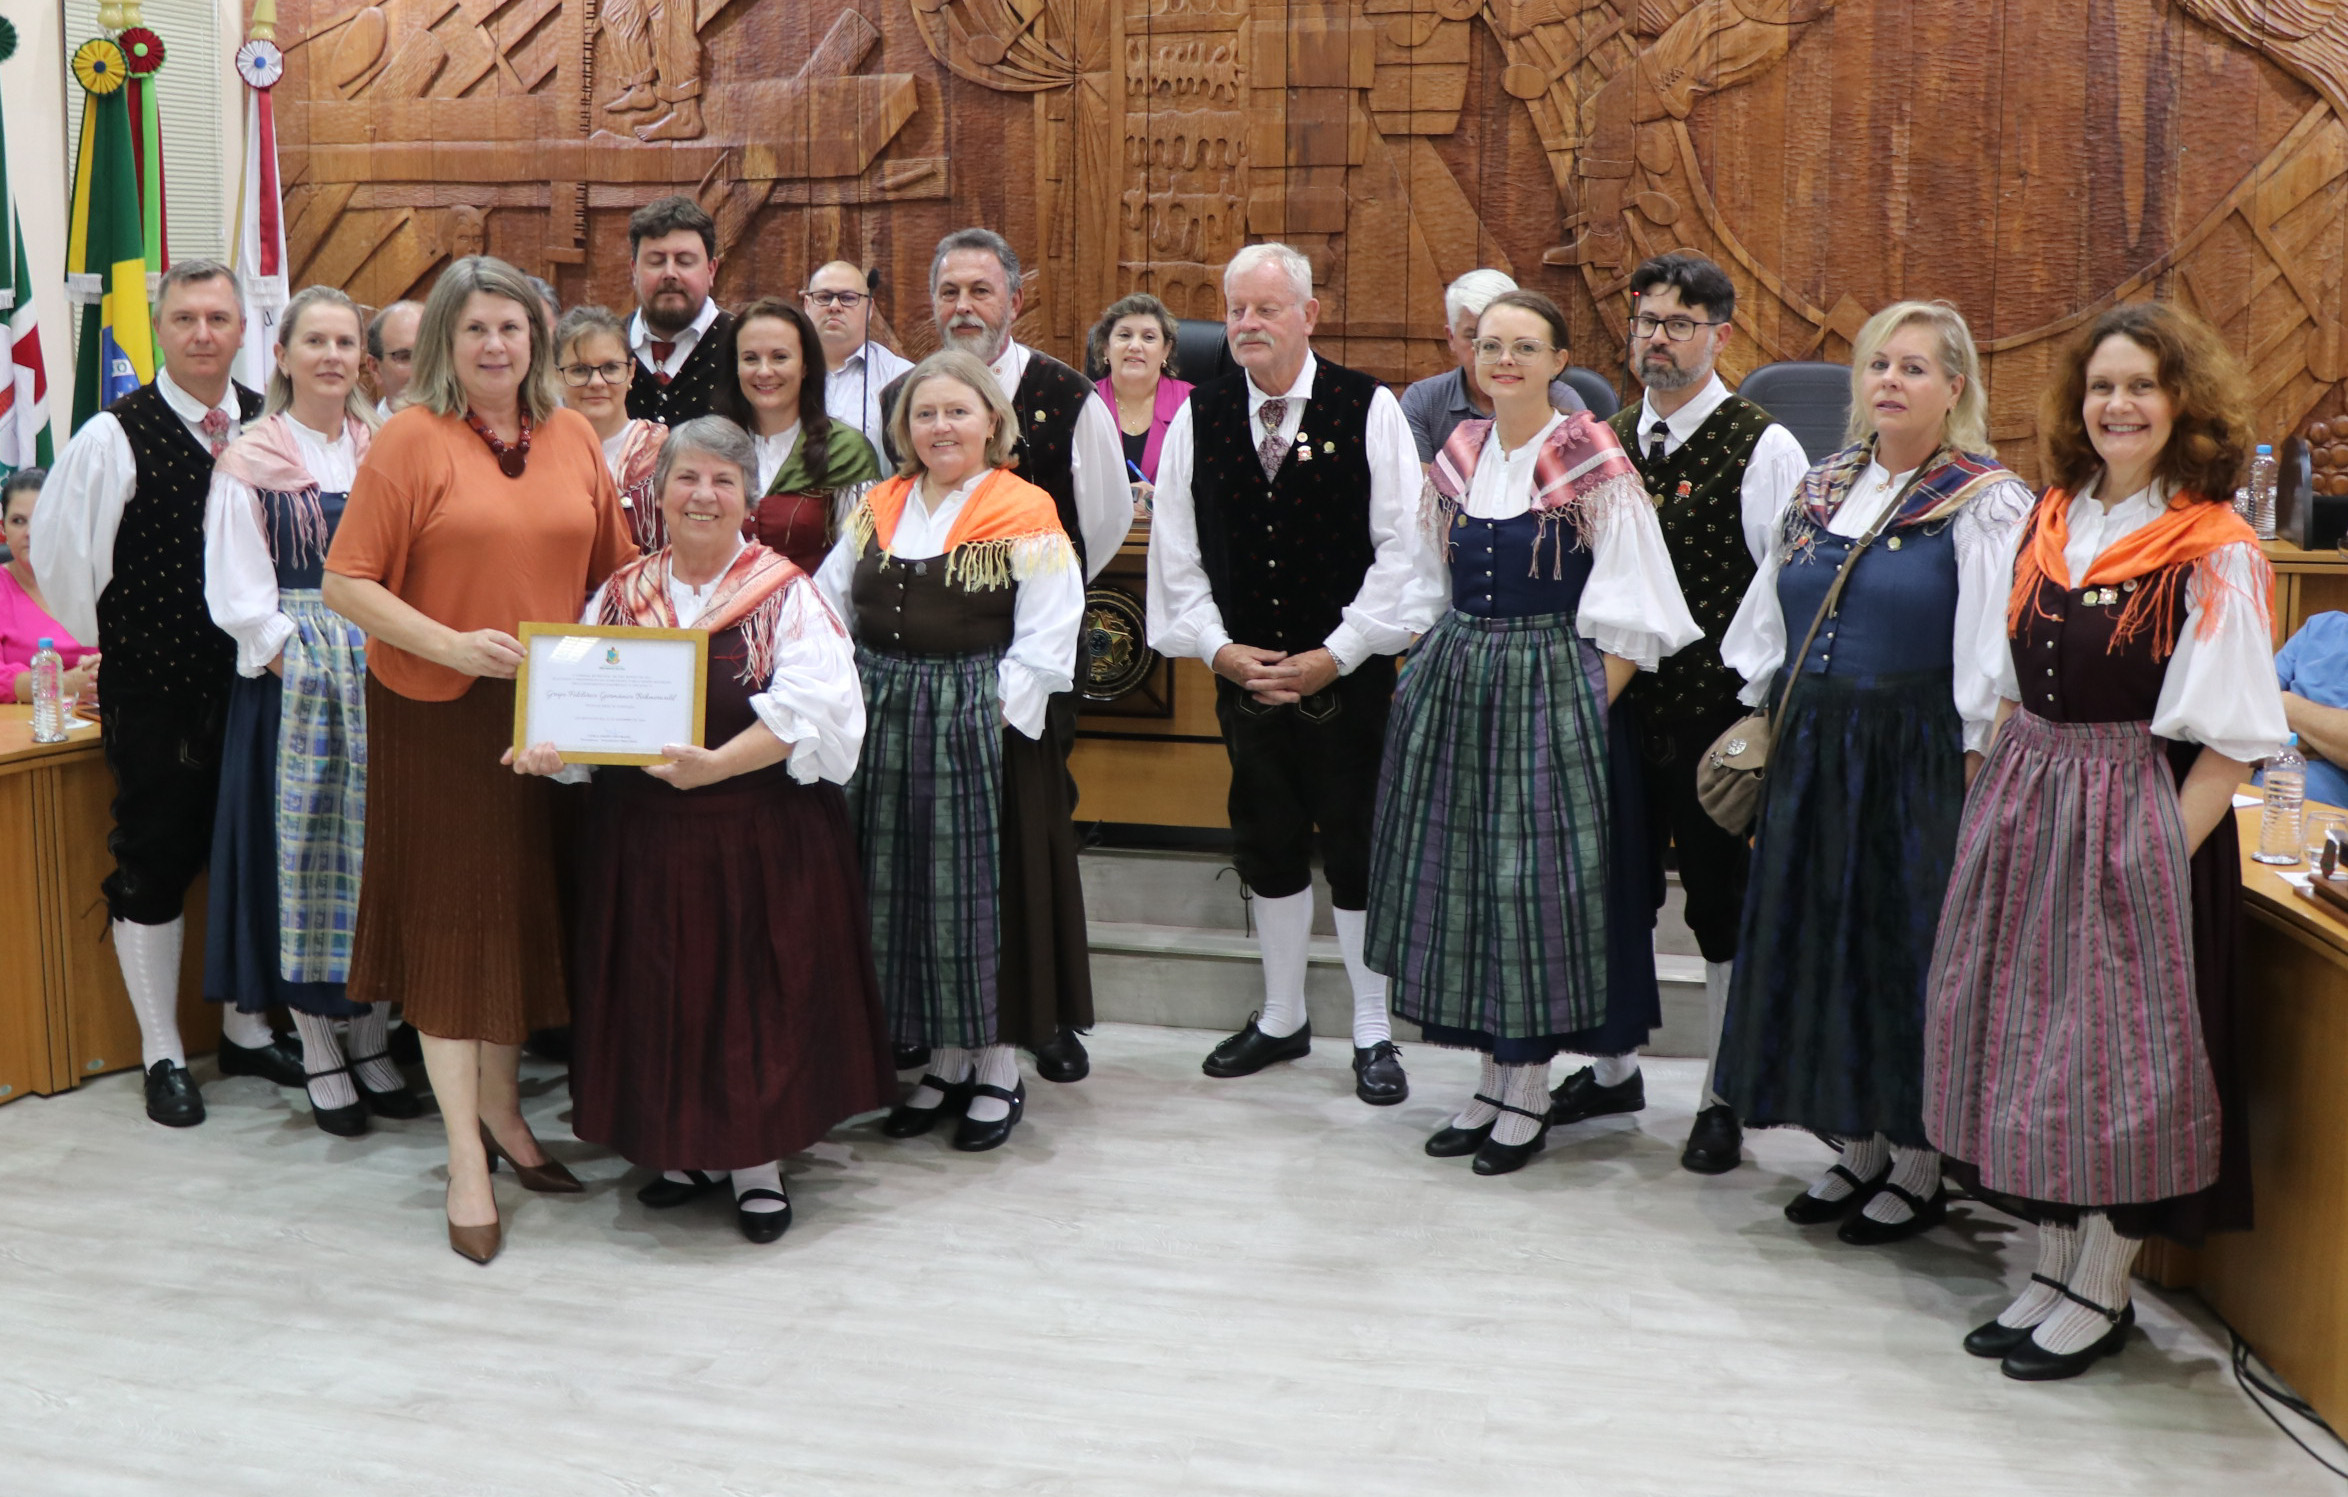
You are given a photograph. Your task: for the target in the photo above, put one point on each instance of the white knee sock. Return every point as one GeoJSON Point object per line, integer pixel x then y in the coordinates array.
{"type": "Point", "coordinates": [370, 1036]}
{"type": "Point", "coordinates": [149, 955]}
{"type": "Point", "coordinates": [2058, 1254]}
{"type": "Point", "coordinates": [1369, 988]}
{"type": "Point", "coordinates": [247, 1031]}
{"type": "Point", "coordinates": [1284, 933]}
{"type": "Point", "coordinates": [768, 1176]}
{"type": "Point", "coordinates": [1916, 1171]}
{"type": "Point", "coordinates": [1863, 1157]}
{"type": "Point", "coordinates": [321, 1053]}
{"type": "Point", "coordinates": [679, 1177]}
{"type": "Point", "coordinates": [1526, 1087]}
{"type": "Point", "coordinates": [947, 1064]}
{"type": "Point", "coordinates": [1477, 1113]}
{"type": "Point", "coordinates": [998, 1065]}
{"type": "Point", "coordinates": [1715, 1019]}
{"type": "Point", "coordinates": [1613, 1070]}
{"type": "Point", "coordinates": [2101, 1275]}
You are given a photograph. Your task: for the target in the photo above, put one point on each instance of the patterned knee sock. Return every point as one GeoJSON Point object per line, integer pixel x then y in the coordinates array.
{"type": "Point", "coordinates": [246, 1031]}
{"type": "Point", "coordinates": [2058, 1252]}
{"type": "Point", "coordinates": [1525, 1087]}
{"type": "Point", "coordinates": [1863, 1157]}
{"type": "Point", "coordinates": [149, 955]}
{"type": "Point", "coordinates": [321, 1052]}
{"type": "Point", "coordinates": [1370, 1024]}
{"type": "Point", "coordinates": [370, 1036]}
{"type": "Point", "coordinates": [1284, 934]}
{"type": "Point", "coordinates": [2101, 1275]}
{"type": "Point", "coordinates": [998, 1065]}
{"type": "Point", "coordinates": [1614, 1070]}
{"type": "Point", "coordinates": [1916, 1171]}
{"type": "Point", "coordinates": [769, 1176]}
{"type": "Point", "coordinates": [1477, 1113]}
{"type": "Point", "coordinates": [947, 1064]}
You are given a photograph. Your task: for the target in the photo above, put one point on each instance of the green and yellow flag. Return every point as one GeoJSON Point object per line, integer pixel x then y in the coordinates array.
{"type": "Point", "coordinates": [106, 248]}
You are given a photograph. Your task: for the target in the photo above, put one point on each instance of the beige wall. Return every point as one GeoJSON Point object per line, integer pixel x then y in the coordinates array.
{"type": "Point", "coordinates": [32, 89]}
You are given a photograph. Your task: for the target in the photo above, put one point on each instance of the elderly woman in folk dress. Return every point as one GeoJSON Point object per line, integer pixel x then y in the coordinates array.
{"type": "Point", "coordinates": [724, 1002]}
{"type": "Point", "coordinates": [811, 469]}
{"type": "Point", "coordinates": [1509, 861]}
{"type": "Point", "coordinates": [1888, 708]}
{"type": "Point", "coordinates": [2080, 1059]}
{"type": "Point", "coordinates": [288, 837]}
{"type": "Point", "coordinates": [591, 355]}
{"type": "Point", "coordinates": [964, 594]}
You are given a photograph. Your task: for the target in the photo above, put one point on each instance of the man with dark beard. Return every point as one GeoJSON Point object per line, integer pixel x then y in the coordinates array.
{"type": "Point", "coordinates": [678, 334]}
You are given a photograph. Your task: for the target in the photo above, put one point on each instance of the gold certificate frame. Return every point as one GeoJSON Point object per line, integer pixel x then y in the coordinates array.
{"type": "Point", "coordinates": [608, 694]}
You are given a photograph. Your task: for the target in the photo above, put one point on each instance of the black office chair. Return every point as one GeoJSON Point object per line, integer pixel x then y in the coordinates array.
{"type": "Point", "coordinates": [1200, 352]}
{"type": "Point", "coordinates": [2295, 493]}
{"type": "Point", "coordinates": [1596, 390]}
{"type": "Point", "coordinates": [1813, 401]}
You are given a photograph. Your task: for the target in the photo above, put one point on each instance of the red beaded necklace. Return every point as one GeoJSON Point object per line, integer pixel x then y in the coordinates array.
{"type": "Point", "coordinates": [510, 460]}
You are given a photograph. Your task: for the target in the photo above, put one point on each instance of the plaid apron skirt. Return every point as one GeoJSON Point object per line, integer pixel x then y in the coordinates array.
{"type": "Point", "coordinates": [2065, 1059]}
{"type": "Point", "coordinates": [1488, 857]}
{"type": "Point", "coordinates": [321, 808]}
{"type": "Point", "coordinates": [927, 804]}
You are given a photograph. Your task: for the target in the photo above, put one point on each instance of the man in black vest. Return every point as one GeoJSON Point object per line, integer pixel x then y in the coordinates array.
{"type": "Point", "coordinates": [678, 334]}
{"type": "Point", "coordinates": [1068, 446]}
{"type": "Point", "coordinates": [119, 542]}
{"type": "Point", "coordinates": [1720, 473]}
{"type": "Point", "coordinates": [1286, 553]}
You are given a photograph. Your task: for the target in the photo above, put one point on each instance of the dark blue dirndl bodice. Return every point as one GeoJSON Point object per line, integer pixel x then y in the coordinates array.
{"type": "Point", "coordinates": [1514, 569]}
{"type": "Point", "coordinates": [301, 564]}
{"type": "Point", "coordinates": [1897, 614]}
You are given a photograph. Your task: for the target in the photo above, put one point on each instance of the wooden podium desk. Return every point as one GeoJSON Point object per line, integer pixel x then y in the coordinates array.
{"type": "Point", "coordinates": [63, 1014]}
{"type": "Point", "coordinates": [2306, 583]}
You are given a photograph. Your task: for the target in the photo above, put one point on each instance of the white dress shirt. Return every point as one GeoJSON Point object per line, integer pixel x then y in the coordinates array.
{"type": "Point", "coordinates": [1756, 644]}
{"type": "Point", "coordinates": [852, 392]}
{"type": "Point", "coordinates": [773, 452]}
{"type": "Point", "coordinates": [1399, 595]}
{"type": "Point", "coordinates": [640, 339]}
{"type": "Point", "coordinates": [1631, 606]}
{"type": "Point", "coordinates": [1096, 467]}
{"type": "Point", "coordinates": [814, 701]}
{"type": "Point", "coordinates": [81, 507]}
{"type": "Point", "coordinates": [1045, 613]}
{"type": "Point", "coordinates": [240, 576]}
{"type": "Point", "coordinates": [2220, 692]}
{"type": "Point", "coordinates": [1772, 476]}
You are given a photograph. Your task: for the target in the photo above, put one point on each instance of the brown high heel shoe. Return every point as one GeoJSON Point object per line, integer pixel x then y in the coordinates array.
{"type": "Point", "coordinates": [549, 1178]}
{"type": "Point", "coordinates": [477, 1243]}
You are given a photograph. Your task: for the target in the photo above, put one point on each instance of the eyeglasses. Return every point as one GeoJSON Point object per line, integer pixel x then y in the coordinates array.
{"type": "Point", "coordinates": [576, 375]}
{"type": "Point", "coordinates": [846, 301]}
{"type": "Point", "coordinates": [1678, 329]}
{"type": "Point", "coordinates": [1523, 350]}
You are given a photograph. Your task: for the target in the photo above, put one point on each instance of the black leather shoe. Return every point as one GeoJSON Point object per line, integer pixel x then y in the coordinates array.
{"type": "Point", "coordinates": [1497, 1158]}
{"type": "Point", "coordinates": [1995, 1338]}
{"type": "Point", "coordinates": [1250, 1050]}
{"type": "Point", "coordinates": [398, 1103]}
{"type": "Point", "coordinates": [909, 1057]}
{"type": "Point", "coordinates": [2032, 1363]}
{"type": "Point", "coordinates": [276, 1061]}
{"type": "Point", "coordinates": [550, 1044]}
{"type": "Point", "coordinates": [1450, 1142]}
{"type": "Point", "coordinates": [1807, 1210]}
{"type": "Point", "coordinates": [1377, 1074]}
{"type": "Point", "coordinates": [1861, 1230]}
{"type": "Point", "coordinates": [1579, 1096]}
{"type": "Point", "coordinates": [1716, 1144]}
{"type": "Point", "coordinates": [172, 1098]}
{"type": "Point", "coordinates": [664, 1193]}
{"type": "Point", "coordinates": [974, 1137]}
{"type": "Point", "coordinates": [763, 1226]}
{"type": "Point", "coordinates": [1062, 1057]}
{"type": "Point", "coordinates": [906, 1121]}
{"type": "Point", "coordinates": [406, 1047]}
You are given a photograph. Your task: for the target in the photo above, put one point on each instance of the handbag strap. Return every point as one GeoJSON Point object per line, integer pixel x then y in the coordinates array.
{"type": "Point", "coordinates": [1834, 591]}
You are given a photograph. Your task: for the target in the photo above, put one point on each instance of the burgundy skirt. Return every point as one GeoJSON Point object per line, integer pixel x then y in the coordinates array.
{"type": "Point", "coordinates": [724, 1007]}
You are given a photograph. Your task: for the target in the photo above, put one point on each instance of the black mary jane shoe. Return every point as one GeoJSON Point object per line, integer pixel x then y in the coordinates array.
{"type": "Point", "coordinates": [1807, 1210]}
{"type": "Point", "coordinates": [1497, 1158]}
{"type": "Point", "coordinates": [276, 1061]}
{"type": "Point", "coordinates": [907, 1121]}
{"type": "Point", "coordinates": [664, 1193]}
{"type": "Point", "coordinates": [1451, 1141]}
{"type": "Point", "coordinates": [1062, 1058]}
{"type": "Point", "coordinates": [2032, 1363]}
{"type": "Point", "coordinates": [1250, 1050]}
{"type": "Point", "coordinates": [349, 1121]}
{"type": "Point", "coordinates": [909, 1057]}
{"type": "Point", "coordinates": [974, 1137]}
{"type": "Point", "coordinates": [172, 1098]}
{"type": "Point", "coordinates": [1861, 1230]}
{"type": "Point", "coordinates": [762, 1226]}
{"type": "Point", "coordinates": [1377, 1074]}
{"type": "Point", "coordinates": [1579, 1097]}
{"type": "Point", "coordinates": [1716, 1142]}
{"type": "Point", "coordinates": [1993, 1339]}
{"type": "Point", "coordinates": [399, 1104]}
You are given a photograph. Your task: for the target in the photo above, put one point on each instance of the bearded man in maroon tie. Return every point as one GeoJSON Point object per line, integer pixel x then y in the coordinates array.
{"type": "Point", "coordinates": [679, 336]}
{"type": "Point", "coordinates": [122, 521]}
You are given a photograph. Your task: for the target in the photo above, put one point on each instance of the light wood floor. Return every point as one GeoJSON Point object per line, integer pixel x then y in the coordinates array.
{"type": "Point", "coordinates": [1165, 1285]}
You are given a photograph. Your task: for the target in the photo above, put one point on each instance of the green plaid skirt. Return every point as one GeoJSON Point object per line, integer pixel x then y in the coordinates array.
{"type": "Point", "coordinates": [927, 803]}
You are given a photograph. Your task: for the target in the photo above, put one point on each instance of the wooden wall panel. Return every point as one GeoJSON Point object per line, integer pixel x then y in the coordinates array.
{"type": "Point", "coordinates": [2031, 160]}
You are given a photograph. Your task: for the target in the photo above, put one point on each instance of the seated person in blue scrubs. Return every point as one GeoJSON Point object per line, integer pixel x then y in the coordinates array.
{"type": "Point", "coordinates": [2313, 668]}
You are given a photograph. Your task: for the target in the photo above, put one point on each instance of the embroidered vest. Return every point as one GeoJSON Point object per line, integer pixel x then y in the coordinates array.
{"type": "Point", "coordinates": [1706, 535]}
{"type": "Point", "coordinates": [156, 633]}
{"type": "Point", "coordinates": [1284, 557]}
{"type": "Point", "coordinates": [689, 390]}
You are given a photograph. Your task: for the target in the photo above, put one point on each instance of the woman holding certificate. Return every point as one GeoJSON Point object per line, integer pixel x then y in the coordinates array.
{"type": "Point", "coordinates": [726, 1014]}
{"type": "Point", "coordinates": [964, 595]}
{"type": "Point", "coordinates": [481, 503]}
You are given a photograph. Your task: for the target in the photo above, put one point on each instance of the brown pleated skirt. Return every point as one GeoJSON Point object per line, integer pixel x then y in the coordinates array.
{"type": "Point", "coordinates": [458, 915]}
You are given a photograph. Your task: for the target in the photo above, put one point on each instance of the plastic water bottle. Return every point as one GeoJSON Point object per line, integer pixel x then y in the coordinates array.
{"type": "Point", "coordinates": [2262, 492]}
{"type": "Point", "coordinates": [48, 694]}
{"type": "Point", "coordinates": [2286, 793]}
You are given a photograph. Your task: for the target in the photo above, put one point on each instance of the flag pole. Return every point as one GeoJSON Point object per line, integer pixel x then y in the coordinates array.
{"type": "Point", "coordinates": [259, 255]}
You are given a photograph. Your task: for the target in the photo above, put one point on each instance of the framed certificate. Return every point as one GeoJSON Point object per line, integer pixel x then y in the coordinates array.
{"type": "Point", "coordinates": [607, 695]}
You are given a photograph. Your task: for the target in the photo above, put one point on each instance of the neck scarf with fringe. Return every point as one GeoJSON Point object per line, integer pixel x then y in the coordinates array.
{"type": "Point", "coordinates": [2188, 533]}
{"type": "Point", "coordinates": [268, 458]}
{"type": "Point", "coordinates": [1580, 474]}
{"type": "Point", "coordinates": [749, 593]}
{"type": "Point", "coordinates": [1007, 531]}
{"type": "Point", "coordinates": [1949, 481]}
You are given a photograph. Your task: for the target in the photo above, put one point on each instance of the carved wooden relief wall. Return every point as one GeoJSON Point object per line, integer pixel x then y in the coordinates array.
{"type": "Point", "coordinates": [2031, 160]}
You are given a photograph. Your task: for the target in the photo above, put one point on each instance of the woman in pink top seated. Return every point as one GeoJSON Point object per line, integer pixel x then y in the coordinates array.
{"type": "Point", "coordinates": [24, 618]}
{"type": "Point", "coordinates": [1130, 353]}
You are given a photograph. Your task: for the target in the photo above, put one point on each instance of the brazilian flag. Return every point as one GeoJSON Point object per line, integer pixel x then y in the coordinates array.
{"type": "Point", "coordinates": [106, 248]}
